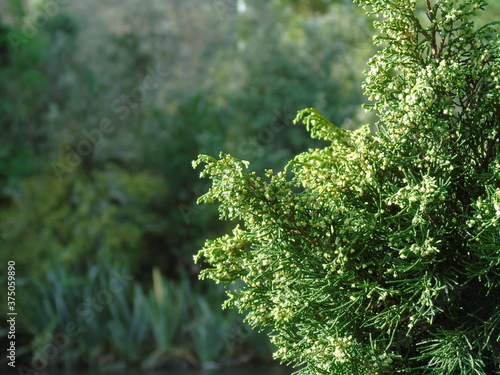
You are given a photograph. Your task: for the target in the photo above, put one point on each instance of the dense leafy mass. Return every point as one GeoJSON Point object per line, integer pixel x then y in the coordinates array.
{"type": "Point", "coordinates": [174, 77]}
{"type": "Point", "coordinates": [380, 253]}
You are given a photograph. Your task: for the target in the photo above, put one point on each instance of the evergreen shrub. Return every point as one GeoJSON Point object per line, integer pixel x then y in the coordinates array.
{"type": "Point", "coordinates": [380, 253]}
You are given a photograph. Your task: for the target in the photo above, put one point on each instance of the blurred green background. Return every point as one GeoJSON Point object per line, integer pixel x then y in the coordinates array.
{"type": "Point", "coordinates": [103, 106]}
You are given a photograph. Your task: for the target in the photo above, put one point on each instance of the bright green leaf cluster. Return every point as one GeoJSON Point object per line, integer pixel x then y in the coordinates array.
{"type": "Point", "coordinates": [381, 255]}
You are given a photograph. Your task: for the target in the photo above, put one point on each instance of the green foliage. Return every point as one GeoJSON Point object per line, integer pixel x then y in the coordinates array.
{"type": "Point", "coordinates": [26, 69]}
{"type": "Point", "coordinates": [159, 135]}
{"type": "Point", "coordinates": [121, 203]}
{"type": "Point", "coordinates": [108, 215]}
{"type": "Point", "coordinates": [16, 152]}
{"type": "Point", "coordinates": [310, 5]}
{"type": "Point", "coordinates": [380, 255]}
{"type": "Point", "coordinates": [175, 121]}
{"type": "Point", "coordinates": [113, 321]}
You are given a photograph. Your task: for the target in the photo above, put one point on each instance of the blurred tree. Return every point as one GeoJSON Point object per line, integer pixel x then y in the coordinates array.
{"type": "Point", "coordinates": [231, 80]}
{"type": "Point", "coordinates": [109, 215]}
{"type": "Point", "coordinates": [311, 6]}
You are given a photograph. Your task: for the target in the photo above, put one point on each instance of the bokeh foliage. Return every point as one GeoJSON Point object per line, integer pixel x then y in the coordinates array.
{"type": "Point", "coordinates": [221, 88]}
{"type": "Point", "coordinates": [104, 317]}
{"type": "Point", "coordinates": [380, 254]}
{"type": "Point", "coordinates": [229, 79]}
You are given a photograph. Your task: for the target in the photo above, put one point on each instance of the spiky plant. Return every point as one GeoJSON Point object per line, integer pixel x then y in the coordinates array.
{"type": "Point", "coordinates": [381, 255]}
